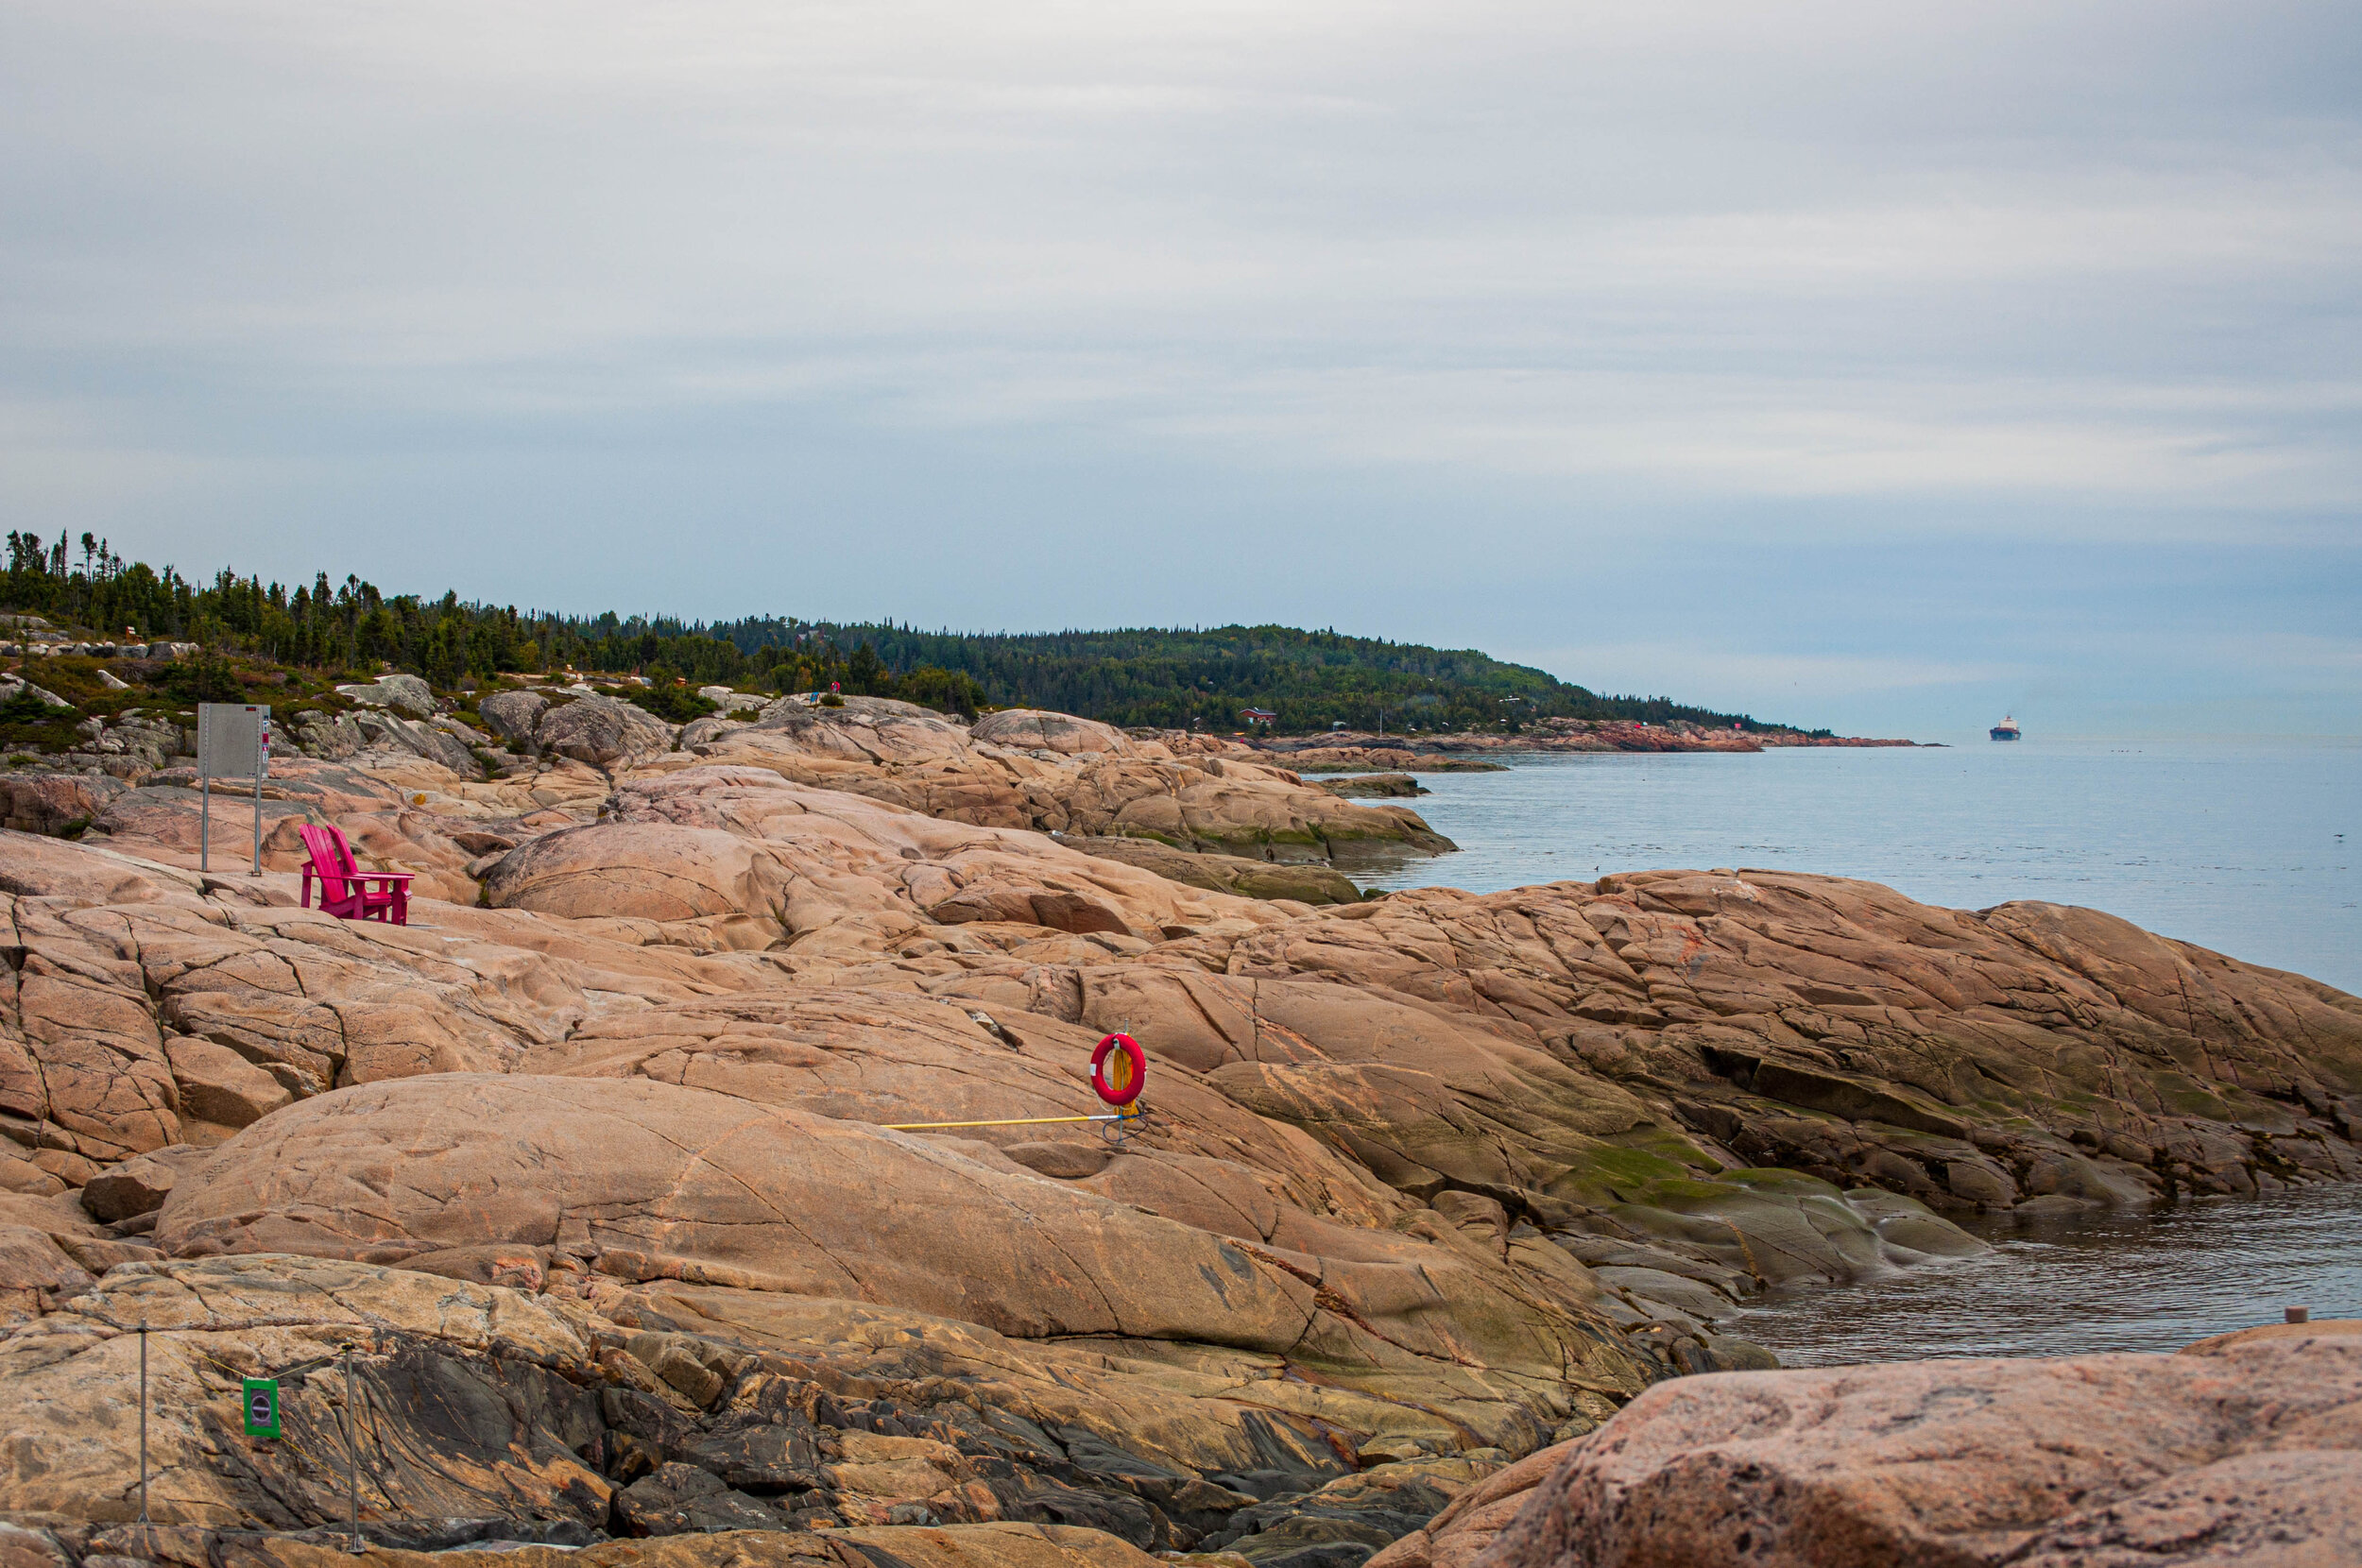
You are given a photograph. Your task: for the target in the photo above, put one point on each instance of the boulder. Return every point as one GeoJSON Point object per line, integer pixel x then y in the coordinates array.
{"type": "Point", "coordinates": [1032, 729]}
{"type": "Point", "coordinates": [1375, 786]}
{"type": "Point", "coordinates": [402, 693]}
{"type": "Point", "coordinates": [729, 701]}
{"type": "Point", "coordinates": [220, 1086]}
{"type": "Point", "coordinates": [135, 744]}
{"type": "Point", "coordinates": [55, 803]}
{"type": "Point", "coordinates": [140, 1186]}
{"type": "Point", "coordinates": [439, 740]}
{"type": "Point", "coordinates": [12, 685]}
{"type": "Point", "coordinates": [512, 715]}
{"type": "Point", "coordinates": [331, 738]}
{"type": "Point", "coordinates": [605, 732]}
{"type": "Point", "coordinates": [701, 732]}
{"type": "Point", "coordinates": [2250, 1453]}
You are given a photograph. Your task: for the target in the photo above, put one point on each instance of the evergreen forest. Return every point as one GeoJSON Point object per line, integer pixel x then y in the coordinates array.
{"type": "Point", "coordinates": [1171, 678]}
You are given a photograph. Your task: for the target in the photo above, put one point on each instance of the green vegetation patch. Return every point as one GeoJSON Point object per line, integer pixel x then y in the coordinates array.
{"type": "Point", "coordinates": [1785, 1183]}
{"type": "Point", "coordinates": [675, 705]}
{"type": "Point", "coordinates": [1665, 1173]}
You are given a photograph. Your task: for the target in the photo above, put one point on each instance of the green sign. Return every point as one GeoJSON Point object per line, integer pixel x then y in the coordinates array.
{"type": "Point", "coordinates": [261, 1408]}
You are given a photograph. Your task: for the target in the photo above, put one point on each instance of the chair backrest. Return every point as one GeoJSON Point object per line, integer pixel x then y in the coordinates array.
{"type": "Point", "coordinates": [331, 861]}
{"type": "Point", "coordinates": [344, 850]}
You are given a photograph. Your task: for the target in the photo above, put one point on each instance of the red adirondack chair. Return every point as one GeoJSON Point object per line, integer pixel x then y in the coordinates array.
{"type": "Point", "coordinates": [344, 888]}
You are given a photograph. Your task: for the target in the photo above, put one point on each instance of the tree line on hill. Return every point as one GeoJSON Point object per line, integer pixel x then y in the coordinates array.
{"type": "Point", "coordinates": [1170, 678]}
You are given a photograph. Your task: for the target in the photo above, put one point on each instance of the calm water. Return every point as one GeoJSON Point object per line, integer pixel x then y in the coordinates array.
{"type": "Point", "coordinates": [2235, 846]}
{"type": "Point", "coordinates": [2251, 849]}
{"type": "Point", "coordinates": [2112, 1281]}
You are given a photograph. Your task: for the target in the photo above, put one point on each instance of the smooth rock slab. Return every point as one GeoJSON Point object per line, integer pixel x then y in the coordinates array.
{"type": "Point", "coordinates": [649, 1181]}
{"type": "Point", "coordinates": [1305, 883]}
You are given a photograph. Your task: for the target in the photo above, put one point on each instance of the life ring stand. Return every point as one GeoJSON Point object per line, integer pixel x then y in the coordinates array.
{"type": "Point", "coordinates": [1119, 1071]}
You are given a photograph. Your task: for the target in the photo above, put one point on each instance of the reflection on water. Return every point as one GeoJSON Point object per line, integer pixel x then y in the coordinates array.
{"type": "Point", "coordinates": [2110, 1281]}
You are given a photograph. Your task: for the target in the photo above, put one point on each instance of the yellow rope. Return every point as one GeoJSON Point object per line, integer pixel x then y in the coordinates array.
{"type": "Point", "coordinates": [1008, 1121]}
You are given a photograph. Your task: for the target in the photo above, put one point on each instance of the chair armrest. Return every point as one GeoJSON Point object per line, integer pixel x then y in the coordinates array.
{"type": "Point", "coordinates": [385, 876]}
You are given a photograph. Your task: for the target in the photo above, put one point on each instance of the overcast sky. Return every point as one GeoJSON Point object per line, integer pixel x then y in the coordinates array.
{"type": "Point", "coordinates": [1887, 365]}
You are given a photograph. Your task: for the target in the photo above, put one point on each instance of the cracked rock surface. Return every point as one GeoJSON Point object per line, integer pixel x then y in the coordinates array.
{"type": "Point", "coordinates": [593, 1162]}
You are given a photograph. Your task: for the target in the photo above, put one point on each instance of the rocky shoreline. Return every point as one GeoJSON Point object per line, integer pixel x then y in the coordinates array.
{"type": "Point", "coordinates": [1359, 750]}
{"type": "Point", "coordinates": [1439, 1196]}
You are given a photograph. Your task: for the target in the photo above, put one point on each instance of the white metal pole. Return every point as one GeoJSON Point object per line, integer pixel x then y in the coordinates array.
{"type": "Point", "coordinates": [146, 1531]}
{"type": "Point", "coordinates": [352, 1457]}
{"type": "Point", "coordinates": [204, 819]}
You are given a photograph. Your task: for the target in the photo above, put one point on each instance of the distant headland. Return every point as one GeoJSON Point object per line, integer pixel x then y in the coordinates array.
{"type": "Point", "coordinates": [243, 633]}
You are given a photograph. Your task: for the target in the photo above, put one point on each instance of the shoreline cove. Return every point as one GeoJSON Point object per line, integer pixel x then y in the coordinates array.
{"type": "Point", "coordinates": [2061, 1285]}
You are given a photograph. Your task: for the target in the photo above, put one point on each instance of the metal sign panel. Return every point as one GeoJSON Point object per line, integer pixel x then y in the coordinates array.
{"type": "Point", "coordinates": [233, 740]}
{"type": "Point", "coordinates": [261, 1407]}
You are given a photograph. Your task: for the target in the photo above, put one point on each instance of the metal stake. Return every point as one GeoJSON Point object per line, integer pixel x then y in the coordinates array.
{"type": "Point", "coordinates": [353, 1456]}
{"type": "Point", "coordinates": [204, 821]}
{"type": "Point", "coordinates": [147, 1530]}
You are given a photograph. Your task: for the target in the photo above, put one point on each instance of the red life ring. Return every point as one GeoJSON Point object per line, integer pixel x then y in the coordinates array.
{"type": "Point", "coordinates": [1119, 1070]}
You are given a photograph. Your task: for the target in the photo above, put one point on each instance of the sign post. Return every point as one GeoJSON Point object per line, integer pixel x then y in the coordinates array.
{"type": "Point", "coordinates": [232, 741]}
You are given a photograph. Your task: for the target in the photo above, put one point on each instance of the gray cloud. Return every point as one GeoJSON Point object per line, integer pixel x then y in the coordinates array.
{"type": "Point", "coordinates": [1571, 330]}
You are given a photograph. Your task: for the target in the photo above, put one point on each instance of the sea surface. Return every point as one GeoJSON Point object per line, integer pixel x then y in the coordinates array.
{"type": "Point", "coordinates": [2250, 847]}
